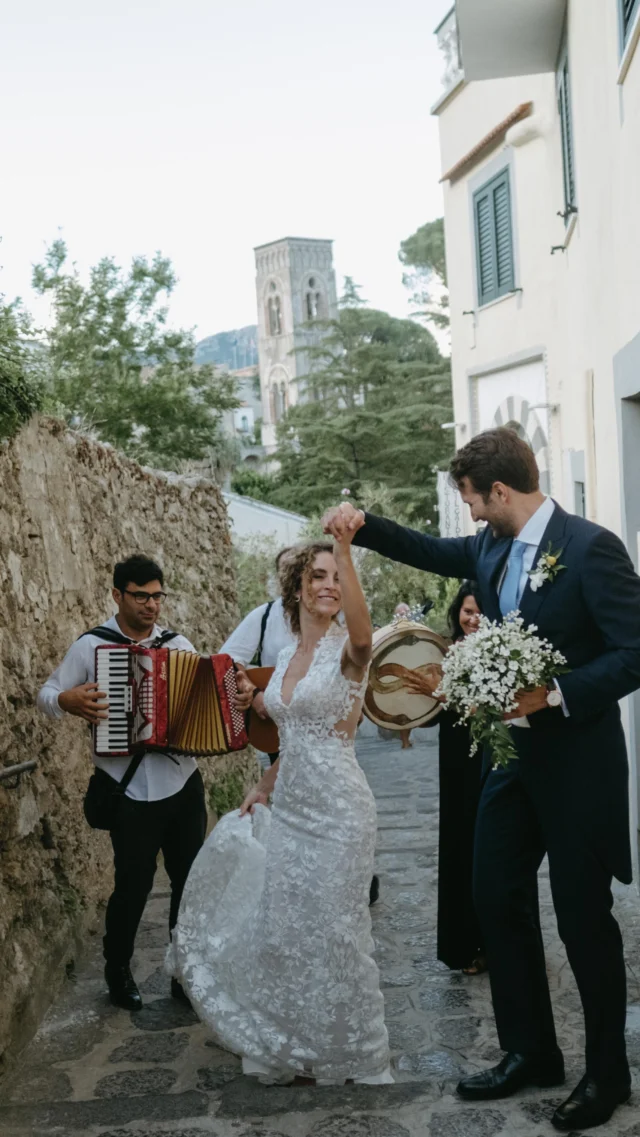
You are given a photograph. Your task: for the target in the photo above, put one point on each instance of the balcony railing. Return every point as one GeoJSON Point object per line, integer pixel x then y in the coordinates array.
{"type": "Point", "coordinates": [449, 44]}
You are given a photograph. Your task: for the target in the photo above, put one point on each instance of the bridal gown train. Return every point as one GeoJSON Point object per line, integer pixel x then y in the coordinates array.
{"type": "Point", "coordinates": [273, 942]}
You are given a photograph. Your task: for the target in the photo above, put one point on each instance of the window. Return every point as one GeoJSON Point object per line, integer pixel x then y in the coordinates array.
{"type": "Point", "coordinates": [275, 316]}
{"type": "Point", "coordinates": [313, 300]}
{"type": "Point", "coordinates": [494, 238]}
{"type": "Point", "coordinates": [566, 129]}
{"type": "Point", "coordinates": [276, 404]}
{"type": "Point", "coordinates": [580, 499]}
{"type": "Point", "coordinates": [279, 401]}
{"type": "Point", "coordinates": [274, 311]}
{"type": "Point", "coordinates": [628, 12]}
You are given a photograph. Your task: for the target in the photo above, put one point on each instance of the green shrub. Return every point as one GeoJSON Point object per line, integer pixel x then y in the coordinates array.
{"type": "Point", "coordinates": [20, 385]}
{"type": "Point", "coordinates": [226, 793]}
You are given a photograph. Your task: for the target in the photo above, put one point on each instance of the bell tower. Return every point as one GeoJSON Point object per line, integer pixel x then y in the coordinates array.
{"type": "Point", "coordinates": [295, 285]}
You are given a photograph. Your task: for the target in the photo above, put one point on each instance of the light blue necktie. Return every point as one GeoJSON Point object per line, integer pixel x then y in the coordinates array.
{"type": "Point", "coordinates": [510, 591]}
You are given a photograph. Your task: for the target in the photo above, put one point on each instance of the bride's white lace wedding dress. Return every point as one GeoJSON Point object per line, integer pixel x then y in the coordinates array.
{"type": "Point", "coordinates": [273, 942]}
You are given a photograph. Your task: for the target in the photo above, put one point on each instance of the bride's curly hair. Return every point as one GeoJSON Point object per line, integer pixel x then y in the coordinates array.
{"type": "Point", "coordinates": [295, 568]}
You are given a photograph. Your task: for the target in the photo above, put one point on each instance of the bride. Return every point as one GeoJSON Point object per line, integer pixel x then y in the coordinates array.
{"type": "Point", "coordinates": [273, 942]}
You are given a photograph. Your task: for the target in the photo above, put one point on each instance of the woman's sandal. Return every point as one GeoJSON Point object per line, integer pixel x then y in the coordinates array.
{"type": "Point", "coordinates": [476, 967]}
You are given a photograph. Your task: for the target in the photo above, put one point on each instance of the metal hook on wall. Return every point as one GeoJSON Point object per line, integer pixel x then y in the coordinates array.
{"type": "Point", "coordinates": [16, 772]}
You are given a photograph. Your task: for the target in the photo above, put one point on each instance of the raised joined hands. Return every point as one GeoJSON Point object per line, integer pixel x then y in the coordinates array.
{"type": "Point", "coordinates": [342, 522]}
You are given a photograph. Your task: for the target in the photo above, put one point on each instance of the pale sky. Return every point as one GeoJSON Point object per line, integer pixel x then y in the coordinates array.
{"type": "Point", "coordinates": [204, 129]}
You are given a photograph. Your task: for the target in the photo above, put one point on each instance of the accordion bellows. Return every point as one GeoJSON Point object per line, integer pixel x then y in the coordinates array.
{"type": "Point", "coordinates": [166, 699]}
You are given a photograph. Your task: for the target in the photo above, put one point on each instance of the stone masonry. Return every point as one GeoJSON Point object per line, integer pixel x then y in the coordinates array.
{"type": "Point", "coordinates": [96, 1071]}
{"type": "Point", "coordinates": [69, 508]}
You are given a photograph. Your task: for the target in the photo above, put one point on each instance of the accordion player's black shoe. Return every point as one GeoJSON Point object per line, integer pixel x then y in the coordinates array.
{"type": "Point", "coordinates": [123, 991]}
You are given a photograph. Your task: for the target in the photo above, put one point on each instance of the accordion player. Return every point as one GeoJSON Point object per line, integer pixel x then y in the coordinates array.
{"type": "Point", "coordinates": [166, 699]}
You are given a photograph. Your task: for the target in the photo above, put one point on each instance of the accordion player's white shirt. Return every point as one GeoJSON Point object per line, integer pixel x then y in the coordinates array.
{"type": "Point", "coordinates": [158, 775]}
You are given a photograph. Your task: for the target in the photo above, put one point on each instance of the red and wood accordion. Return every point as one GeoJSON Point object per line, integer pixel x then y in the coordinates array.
{"type": "Point", "coordinates": [164, 699]}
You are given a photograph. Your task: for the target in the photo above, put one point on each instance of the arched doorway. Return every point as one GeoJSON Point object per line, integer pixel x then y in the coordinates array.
{"type": "Point", "coordinates": [516, 413]}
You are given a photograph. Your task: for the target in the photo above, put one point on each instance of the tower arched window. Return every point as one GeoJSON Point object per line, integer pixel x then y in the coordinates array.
{"type": "Point", "coordinates": [278, 402]}
{"type": "Point", "coordinates": [274, 311]}
{"type": "Point", "coordinates": [314, 300]}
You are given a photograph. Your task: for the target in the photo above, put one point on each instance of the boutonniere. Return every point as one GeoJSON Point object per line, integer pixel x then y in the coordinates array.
{"type": "Point", "coordinates": [547, 568]}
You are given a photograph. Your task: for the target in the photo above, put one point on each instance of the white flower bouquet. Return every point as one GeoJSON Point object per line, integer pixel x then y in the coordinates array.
{"type": "Point", "coordinates": [483, 672]}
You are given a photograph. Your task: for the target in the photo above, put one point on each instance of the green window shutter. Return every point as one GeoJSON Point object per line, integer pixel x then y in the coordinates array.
{"type": "Point", "coordinates": [485, 248]}
{"type": "Point", "coordinates": [494, 239]}
{"type": "Point", "coordinates": [566, 130]}
{"type": "Point", "coordinates": [628, 9]}
{"type": "Point", "coordinates": [504, 239]}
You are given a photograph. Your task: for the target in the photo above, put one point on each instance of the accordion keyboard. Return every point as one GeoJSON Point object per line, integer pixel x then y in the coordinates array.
{"type": "Point", "coordinates": [112, 735]}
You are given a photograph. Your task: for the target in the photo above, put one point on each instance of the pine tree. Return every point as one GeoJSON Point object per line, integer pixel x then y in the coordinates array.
{"type": "Point", "coordinates": [378, 392]}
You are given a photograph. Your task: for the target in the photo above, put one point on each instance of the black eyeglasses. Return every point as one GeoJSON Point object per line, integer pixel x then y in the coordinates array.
{"type": "Point", "coordinates": [143, 597]}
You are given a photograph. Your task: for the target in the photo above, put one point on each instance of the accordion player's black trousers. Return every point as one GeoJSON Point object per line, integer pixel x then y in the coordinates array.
{"type": "Point", "coordinates": [175, 826]}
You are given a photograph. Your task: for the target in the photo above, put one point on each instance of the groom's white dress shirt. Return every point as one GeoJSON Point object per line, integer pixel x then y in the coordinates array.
{"type": "Point", "coordinates": [531, 536]}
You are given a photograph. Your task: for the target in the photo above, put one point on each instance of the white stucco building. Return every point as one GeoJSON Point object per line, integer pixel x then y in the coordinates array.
{"type": "Point", "coordinates": [249, 518]}
{"type": "Point", "coordinates": [540, 145]}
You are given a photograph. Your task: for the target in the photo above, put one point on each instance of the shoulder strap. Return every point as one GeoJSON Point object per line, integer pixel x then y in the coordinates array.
{"type": "Point", "coordinates": [164, 638]}
{"type": "Point", "coordinates": [111, 636]}
{"type": "Point", "coordinates": [257, 659]}
{"type": "Point", "coordinates": [130, 771]}
{"type": "Point", "coordinates": [108, 634]}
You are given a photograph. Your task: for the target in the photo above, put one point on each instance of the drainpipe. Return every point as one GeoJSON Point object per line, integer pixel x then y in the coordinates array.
{"type": "Point", "coordinates": [590, 448]}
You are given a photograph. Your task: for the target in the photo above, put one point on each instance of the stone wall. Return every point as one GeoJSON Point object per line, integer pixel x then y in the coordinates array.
{"type": "Point", "coordinates": [70, 508]}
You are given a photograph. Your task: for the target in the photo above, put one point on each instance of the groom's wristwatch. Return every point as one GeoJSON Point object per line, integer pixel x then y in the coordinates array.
{"type": "Point", "coordinates": [554, 698]}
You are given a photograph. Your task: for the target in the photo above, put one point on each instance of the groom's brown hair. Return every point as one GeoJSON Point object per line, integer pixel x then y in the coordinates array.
{"type": "Point", "coordinates": [498, 455]}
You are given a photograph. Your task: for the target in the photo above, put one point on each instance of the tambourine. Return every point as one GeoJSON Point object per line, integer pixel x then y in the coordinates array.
{"type": "Point", "coordinates": [399, 649]}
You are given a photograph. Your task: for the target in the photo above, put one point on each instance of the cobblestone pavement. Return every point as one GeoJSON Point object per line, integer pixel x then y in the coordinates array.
{"type": "Point", "coordinates": [93, 1069]}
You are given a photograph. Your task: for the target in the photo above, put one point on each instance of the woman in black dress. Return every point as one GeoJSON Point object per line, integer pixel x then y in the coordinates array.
{"type": "Point", "coordinates": [459, 935]}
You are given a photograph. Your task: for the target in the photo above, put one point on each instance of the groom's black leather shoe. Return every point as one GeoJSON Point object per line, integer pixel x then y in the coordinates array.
{"type": "Point", "coordinates": [512, 1074]}
{"type": "Point", "coordinates": [123, 991]}
{"type": "Point", "coordinates": [589, 1105]}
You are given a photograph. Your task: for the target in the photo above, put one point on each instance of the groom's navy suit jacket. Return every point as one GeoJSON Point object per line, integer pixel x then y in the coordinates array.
{"type": "Point", "coordinates": [590, 612]}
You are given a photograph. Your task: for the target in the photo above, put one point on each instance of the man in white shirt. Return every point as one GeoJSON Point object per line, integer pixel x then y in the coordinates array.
{"type": "Point", "coordinates": [266, 625]}
{"type": "Point", "coordinates": [163, 806]}
{"type": "Point", "coordinates": [260, 638]}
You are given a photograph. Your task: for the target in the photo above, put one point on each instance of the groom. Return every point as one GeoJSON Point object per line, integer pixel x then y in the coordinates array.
{"type": "Point", "coordinates": [567, 794]}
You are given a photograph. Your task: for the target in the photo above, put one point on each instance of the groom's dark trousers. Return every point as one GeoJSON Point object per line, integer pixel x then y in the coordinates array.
{"type": "Point", "coordinates": [548, 802]}
{"type": "Point", "coordinates": [567, 792]}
